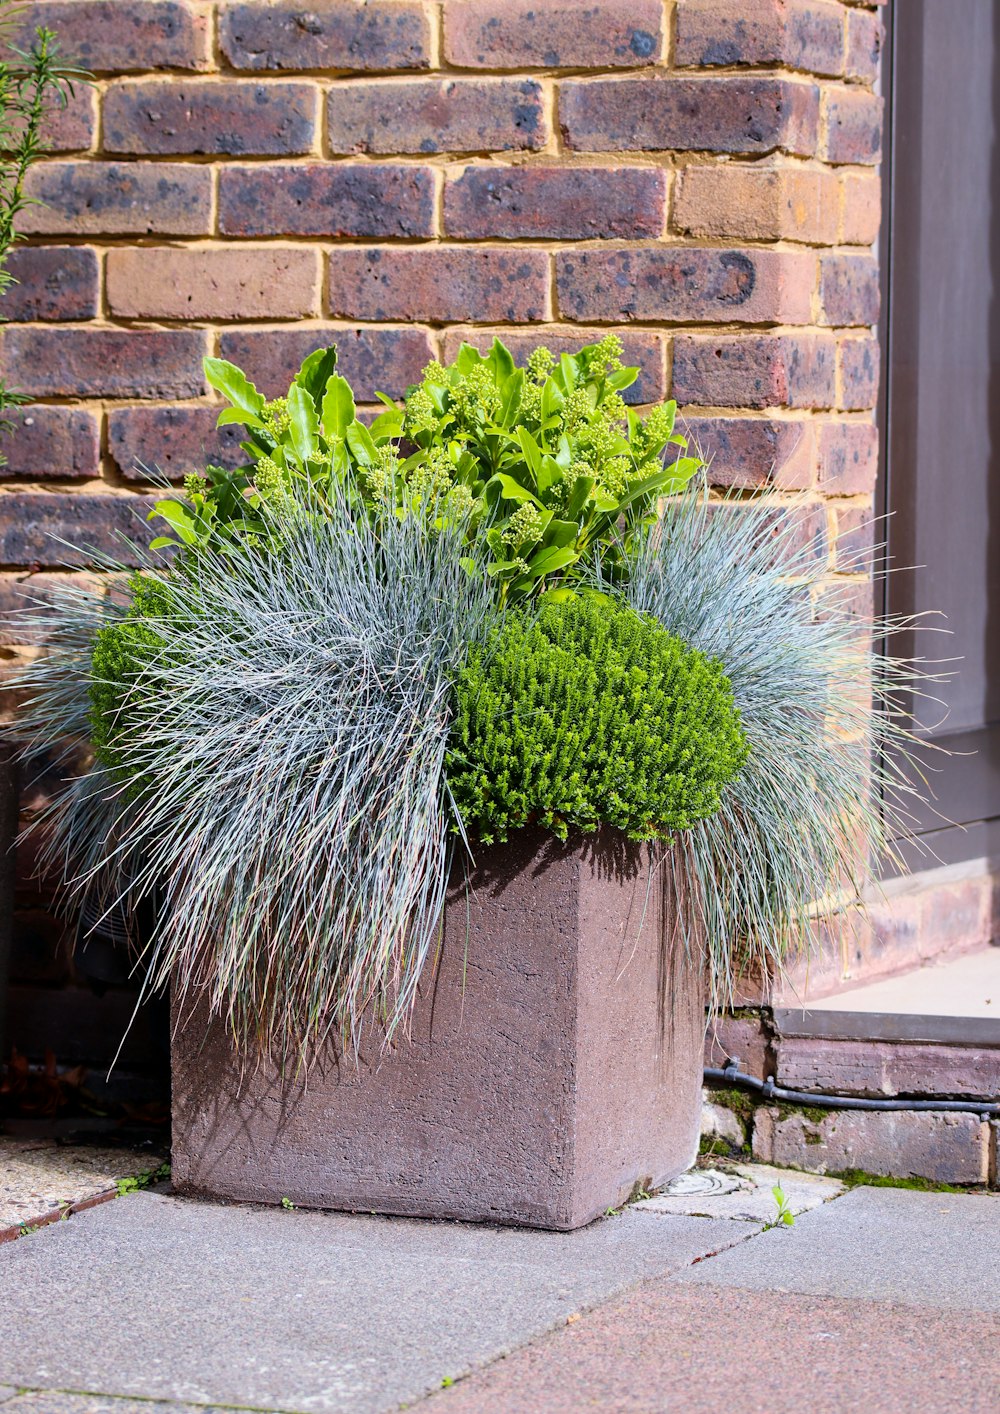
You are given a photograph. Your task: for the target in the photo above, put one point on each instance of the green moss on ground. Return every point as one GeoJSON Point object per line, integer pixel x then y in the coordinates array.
{"type": "Point", "coordinates": [858, 1178]}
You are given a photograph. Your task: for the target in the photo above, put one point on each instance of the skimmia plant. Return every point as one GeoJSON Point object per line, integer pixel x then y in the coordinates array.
{"type": "Point", "coordinates": [371, 648]}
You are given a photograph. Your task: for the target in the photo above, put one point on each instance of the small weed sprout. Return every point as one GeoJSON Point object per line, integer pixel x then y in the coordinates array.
{"type": "Point", "coordinates": [784, 1217]}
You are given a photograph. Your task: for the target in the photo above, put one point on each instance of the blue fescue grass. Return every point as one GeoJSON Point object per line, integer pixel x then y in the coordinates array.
{"type": "Point", "coordinates": [830, 777]}
{"type": "Point", "coordinates": [291, 821]}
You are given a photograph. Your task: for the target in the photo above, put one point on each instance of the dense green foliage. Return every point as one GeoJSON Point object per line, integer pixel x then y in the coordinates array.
{"type": "Point", "coordinates": [30, 83]}
{"type": "Point", "coordinates": [588, 712]}
{"type": "Point", "coordinates": [122, 649]}
{"type": "Point", "coordinates": [547, 462]}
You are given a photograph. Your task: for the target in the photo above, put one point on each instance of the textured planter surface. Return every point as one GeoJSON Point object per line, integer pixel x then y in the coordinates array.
{"type": "Point", "coordinates": [555, 1061]}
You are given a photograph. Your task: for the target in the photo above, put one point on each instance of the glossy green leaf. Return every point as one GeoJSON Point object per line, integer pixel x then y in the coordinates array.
{"type": "Point", "coordinates": [233, 384]}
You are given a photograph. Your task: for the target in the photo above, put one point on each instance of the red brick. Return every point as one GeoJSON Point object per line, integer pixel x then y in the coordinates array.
{"type": "Point", "coordinates": [753, 451]}
{"type": "Point", "coordinates": [107, 36]}
{"type": "Point", "coordinates": [853, 126]}
{"type": "Point", "coordinates": [372, 360]}
{"type": "Point", "coordinates": [759, 114]}
{"type": "Point", "coordinates": [69, 126]}
{"type": "Point", "coordinates": [642, 349]}
{"type": "Point", "coordinates": [52, 442]}
{"type": "Point", "coordinates": [327, 199]}
{"type": "Point", "coordinates": [852, 600]}
{"type": "Point", "coordinates": [53, 282]}
{"type": "Point", "coordinates": [436, 115]}
{"type": "Point", "coordinates": [946, 1148]}
{"type": "Point", "coordinates": [113, 363]}
{"type": "Point", "coordinates": [864, 46]}
{"type": "Point", "coordinates": [858, 362]}
{"type": "Point", "coordinates": [574, 203]}
{"type": "Point", "coordinates": [686, 285]}
{"type": "Point", "coordinates": [37, 526]}
{"type": "Point", "coordinates": [848, 457]}
{"type": "Point", "coordinates": [755, 371]}
{"type": "Point", "coordinates": [860, 207]}
{"type": "Point", "coordinates": [883, 1068]}
{"type": "Point", "coordinates": [855, 540]}
{"type": "Point", "coordinates": [21, 597]}
{"type": "Point", "coordinates": [552, 34]}
{"type": "Point", "coordinates": [734, 201]}
{"type": "Point", "coordinates": [235, 117]}
{"type": "Point", "coordinates": [171, 440]}
{"type": "Point", "coordinates": [798, 34]}
{"type": "Point", "coordinates": [326, 35]}
{"type": "Point", "coordinates": [849, 288]}
{"type": "Point", "coordinates": [443, 283]}
{"type": "Point", "coordinates": [745, 1038]}
{"type": "Point", "coordinates": [233, 283]}
{"type": "Point", "coordinates": [118, 199]}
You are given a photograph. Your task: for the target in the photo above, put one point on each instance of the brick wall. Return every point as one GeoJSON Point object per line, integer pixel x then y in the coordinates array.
{"type": "Point", "coordinates": [257, 179]}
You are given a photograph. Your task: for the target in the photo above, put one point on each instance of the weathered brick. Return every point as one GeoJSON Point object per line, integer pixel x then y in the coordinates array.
{"type": "Point", "coordinates": [746, 203]}
{"type": "Point", "coordinates": [755, 371]}
{"type": "Point", "coordinates": [66, 127]}
{"type": "Point", "coordinates": [171, 440]}
{"type": "Point", "coordinates": [53, 282]}
{"type": "Point", "coordinates": [853, 126]}
{"type": "Point", "coordinates": [436, 115]}
{"type": "Point", "coordinates": [849, 289]}
{"type": "Point", "coordinates": [372, 360]}
{"type": "Point", "coordinates": [855, 540]}
{"type": "Point", "coordinates": [754, 451]}
{"type": "Point", "coordinates": [443, 283]}
{"type": "Point", "coordinates": [864, 45]}
{"type": "Point", "coordinates": [233, 283]}
{"type": "Point", "coordinates": [703, 286]}
{"type": "Point", "coordinates": [882, 1068]}
{"type": "Point", "coordinates": [643, 349]}
{"type": "Point", "coordinates": [235, 117]}
{"type": "Point", "coordinates": [326, 35]}
{"type": "Point", "coordinates": [118, 199]}
{"type": "Point", "coordinates": [860, 207]}
{"type": "Point", "coordinates": [574, 203]}
{"type": "Point", "coordinates": [106, 36]}
{"type": "Point", "coordinates": [758, 114]}
{"type": "Point", "coordinates": [37, 526]}
{"type": "Point", "coordinates": [858, 364]}
{"type": "Point", "coordinates": [743, 1037]}
{"type": "Point", "coordinates": [946, 1148]}
{"type": "Point", "coordinates": [21, 624]}
{"type": "Point", "coordinates": [52, 442]}
{"type": "Point", "coordinates": [853, 600]}
{"type": "Point", "coordinates": [113, 363]}
{"type": "Point", "coordinates": [552, 34]}
{"type": "Point", "coordinates": [798, 34]}
{"type": "Point", "coordinates": [848, 457]}
{"type": "Point", "coordinates": [326, 199]}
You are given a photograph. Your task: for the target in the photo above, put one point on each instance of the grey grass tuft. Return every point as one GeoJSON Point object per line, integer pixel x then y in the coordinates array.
{"type": "Point", "coordinates": [831, 773]}
{"type": "Point", "coordinates": [291, 823]}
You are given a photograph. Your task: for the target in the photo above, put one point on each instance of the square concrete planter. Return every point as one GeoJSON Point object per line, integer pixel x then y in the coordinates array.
{"type": "Point", "coordinates": [554, 1063]}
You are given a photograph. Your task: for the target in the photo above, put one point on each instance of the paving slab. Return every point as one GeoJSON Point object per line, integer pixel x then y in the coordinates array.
{"type": "Point", "coordinates": [51, 1401]}
{"type": "Point", "coordinates": [676, 1348]}
{"type": "Point", "coordinates": [742, 1193]}
{"type": "Point", "coordinates": [163, 1298]}
{"type": "Point", "coordinates": [40, 1180]}
{"type": "Point", "coordinates": [881, 1244]}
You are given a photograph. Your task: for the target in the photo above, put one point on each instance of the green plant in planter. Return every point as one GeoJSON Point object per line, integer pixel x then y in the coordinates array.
{"type": "Point", "coordinates": [123, 648]}
{"type": "Point", "coordinates": [588, 712]}
{"type": "Point", "coordinates": [546, 462]}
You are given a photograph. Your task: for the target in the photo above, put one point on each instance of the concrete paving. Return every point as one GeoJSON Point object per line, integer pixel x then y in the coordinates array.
{"type": "Point", "coordinates": [938, 1250]}
{"type": "Point", "coordinates": [879, 1300]}
{"type": "Point", "coordinates": [201, 1303]}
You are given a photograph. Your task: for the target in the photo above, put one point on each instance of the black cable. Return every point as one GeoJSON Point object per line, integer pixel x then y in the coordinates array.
{"type": "Point", "coordinates": [732, 1075]}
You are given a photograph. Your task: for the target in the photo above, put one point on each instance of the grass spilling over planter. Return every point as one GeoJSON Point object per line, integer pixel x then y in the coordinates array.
{"type": "Point", "coordinates": [506, 603]}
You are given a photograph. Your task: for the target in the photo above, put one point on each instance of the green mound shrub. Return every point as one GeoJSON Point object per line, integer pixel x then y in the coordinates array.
{"type": "Point", "coordinates": [588, 712]}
